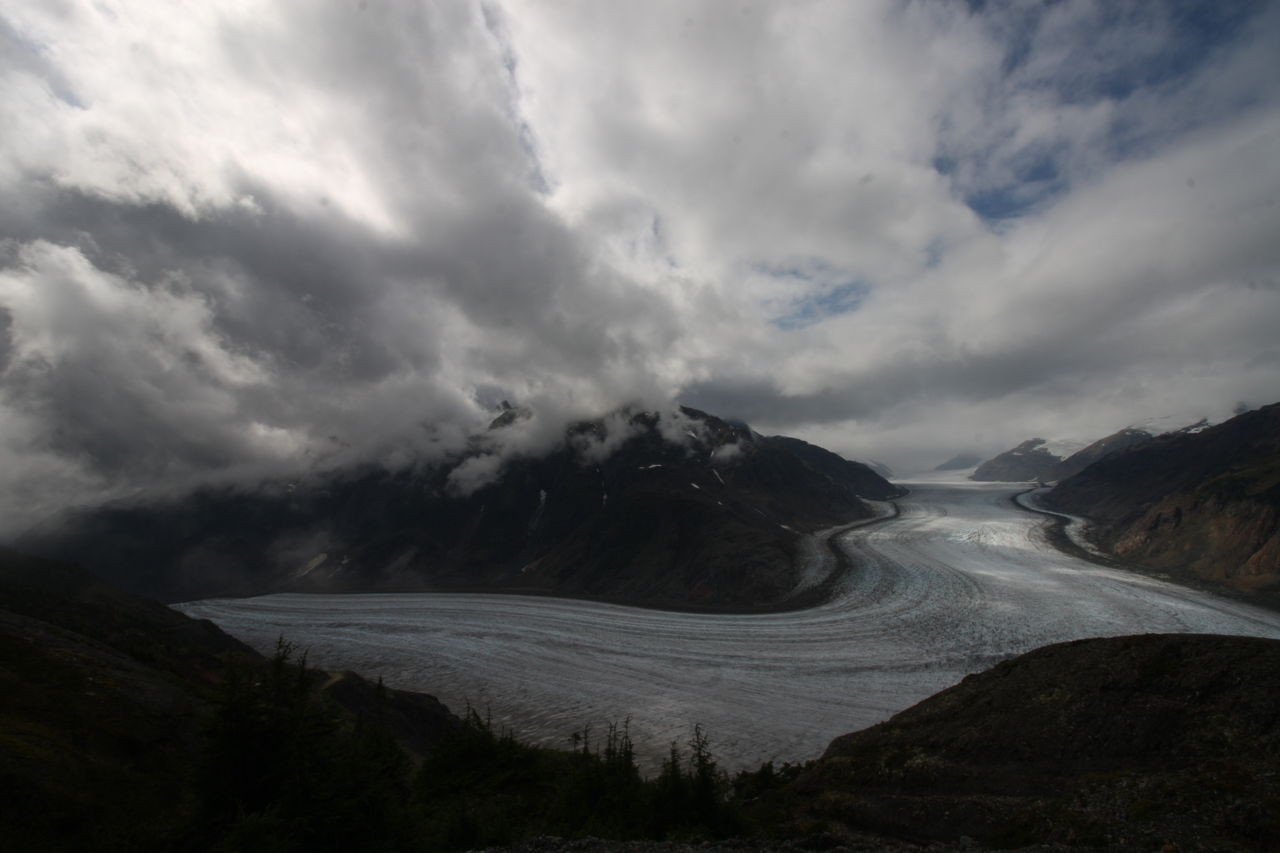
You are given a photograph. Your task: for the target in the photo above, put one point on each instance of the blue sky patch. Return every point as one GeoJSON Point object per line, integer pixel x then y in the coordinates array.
{"type": "Point", "coordinates": [813, 308]}
{"type": "Point", "coordinates": [1165, 45]}
{"type": "Point", "coordinates": [1036, 183]}
{"type": "Point", "coordinates": [827, 292]}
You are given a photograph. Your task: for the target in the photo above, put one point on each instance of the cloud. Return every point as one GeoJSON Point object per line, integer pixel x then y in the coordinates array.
{"type": "Point", "coordinates": [248, 238]}
{"type": "Point", "coordinates": [1051, 207]}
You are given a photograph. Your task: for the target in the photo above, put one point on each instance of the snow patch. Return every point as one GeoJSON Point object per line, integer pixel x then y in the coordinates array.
{"type": "Point", "coordinates": [1064, 447]}
{"type": "Point", "coordinates": [1166, 425]}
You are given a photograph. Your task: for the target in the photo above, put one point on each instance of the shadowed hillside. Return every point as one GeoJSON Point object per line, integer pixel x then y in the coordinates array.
{"type": "Point", "coordinates": [1204, 505]}
{"type": "Point", "coordinates": [1131, 741]}
{"type": "Point", "coordinates": [682, 510]}
{"type": "Point", "coordinates": [126, 726]}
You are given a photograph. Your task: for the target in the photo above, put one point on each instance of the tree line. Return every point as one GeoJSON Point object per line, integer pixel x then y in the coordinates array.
{"type": "Point", "coordinates": [281, 770]}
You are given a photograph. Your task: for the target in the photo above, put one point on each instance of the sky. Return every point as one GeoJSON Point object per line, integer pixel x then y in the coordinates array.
{"type": "Point", "coordinates": [241, 239]}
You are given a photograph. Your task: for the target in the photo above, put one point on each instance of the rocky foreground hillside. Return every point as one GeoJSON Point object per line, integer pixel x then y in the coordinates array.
{"type": "Point", "coordinates": [1134, 742]}
{"type": "Point", "coordinates": [1203, 505]}
{"type": "Point", "coordinates": [126, 726]}
{"type": "Point", "coordinates": [676, 509]}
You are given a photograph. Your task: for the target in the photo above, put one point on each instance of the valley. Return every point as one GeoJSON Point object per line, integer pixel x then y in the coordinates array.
{"type": "Point", "coordinates": [959, 580]}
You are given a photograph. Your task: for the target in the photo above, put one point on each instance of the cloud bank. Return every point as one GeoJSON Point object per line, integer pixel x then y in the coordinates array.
{"type": "Point", "coordinates": [246, 238]}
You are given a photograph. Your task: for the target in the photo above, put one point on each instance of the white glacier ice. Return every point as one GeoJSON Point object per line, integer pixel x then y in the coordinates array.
{"type": "Point", "coordinates": [959, 580]}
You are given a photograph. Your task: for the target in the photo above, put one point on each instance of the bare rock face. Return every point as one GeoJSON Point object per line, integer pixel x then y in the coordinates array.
{"type": "Point", "coordinates": [1028, 461]}
{"type": "Point", "coordinates": [1236, 543]}
{"type": "Point", "coordinates": [1205, 504]}
{"type": "Point", "coordinates": [1100, 449]}
{"type": "Point", "coordinates": [1033, 460]}
{"type": "Point", "coordinates": [1131, 741]}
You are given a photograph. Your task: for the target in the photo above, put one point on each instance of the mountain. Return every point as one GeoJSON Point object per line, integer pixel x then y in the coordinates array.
{"type": "Point", "coordinates": [1117, 743]}
{"type": "Point", "coordinates": [959, 462]}
{"type": "Point", "coordinates": [1037, 459]}
{"type": "Point", "coordinates": [1030, 460]}
{"type": "Point", "coordinates": [677, 509]}
{"type": "Point", "coordinates": [1201, 503]}
{"type": "Point", "coordinates": [1114, 443]}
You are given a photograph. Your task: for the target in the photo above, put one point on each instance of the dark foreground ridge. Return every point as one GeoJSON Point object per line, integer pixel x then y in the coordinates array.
{"type": "Point", "coordinates": [821, 843]}
{"type": "Point", "coordinates": [128, 727]}
{"type": "Point", "coordinates": [1133, 741]}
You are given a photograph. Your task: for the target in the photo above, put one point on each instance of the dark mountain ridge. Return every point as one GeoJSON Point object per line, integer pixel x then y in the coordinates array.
{"type": "Point", "coordinates": [1032, 460]}
{"type": "Point", "coordinates": [1100, 449]}
{"type": "Point", "coordinates": [960, 461]}
{"type": "Point", "coordinates": [687, 510]}
{"type": "Point", "coordinates": [1203, 504]}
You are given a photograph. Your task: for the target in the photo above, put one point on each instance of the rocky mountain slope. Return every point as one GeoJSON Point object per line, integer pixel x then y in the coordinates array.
{"type": "Point", "coordinates": [1030, 460]}
{"type": "Point", "coordinates": [1100, 449]}
{"type": "Point", "coordinates": [1202, 504]}
{"type": "Point", "coordinates": [1132, 742]}
{"type": "Point", "coordinates": [959, 462]}
{"type": "Point", "coordinates": [670, 509]}
{"type": "Point", "coordinates": [1035, 460]}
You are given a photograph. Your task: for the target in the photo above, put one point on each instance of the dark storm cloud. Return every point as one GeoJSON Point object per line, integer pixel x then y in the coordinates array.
{"type": "Point", "coordinates": [178, 307]}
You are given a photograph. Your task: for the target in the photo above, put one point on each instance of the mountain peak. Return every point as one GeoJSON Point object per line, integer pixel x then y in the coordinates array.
{"type": "Point", "coordinates": [671, 507]}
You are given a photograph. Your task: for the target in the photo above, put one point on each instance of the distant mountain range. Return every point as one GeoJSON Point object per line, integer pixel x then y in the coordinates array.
{"type": "Point", "coordinates": [959, 462]}
{"type": "Point", "coordinates": [687, 510]}
{"type": "Point", "coordinates": [1202, 503]}
{"type": "Point", "coordinates": [678, 509]}
{"type": "Point", "coordinates": [1033, 459]}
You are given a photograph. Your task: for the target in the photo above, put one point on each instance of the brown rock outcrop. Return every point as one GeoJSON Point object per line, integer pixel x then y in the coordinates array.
{"type": "Point", "coordinates": [1203, 505]}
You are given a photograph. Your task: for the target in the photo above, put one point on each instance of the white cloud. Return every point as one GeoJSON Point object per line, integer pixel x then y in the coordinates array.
{"type": "Point", "coordinates": [255, 234]}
